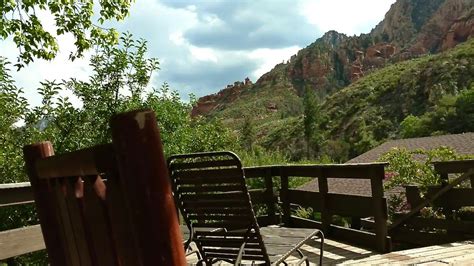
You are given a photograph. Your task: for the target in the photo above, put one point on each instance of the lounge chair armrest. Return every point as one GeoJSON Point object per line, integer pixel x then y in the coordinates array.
{"type": "Point", "coordinates": [240, 255]}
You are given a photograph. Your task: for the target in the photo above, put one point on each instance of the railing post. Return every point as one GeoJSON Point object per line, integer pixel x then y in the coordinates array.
{"type": "Point", "coordinates": [270, 196]}
{"type": "Point", "coordinates": [444, 179]}
{"type": "Point", "coordinates": [326, 215]}
{"type": "Point", "coordinates": [380, 214]}
{"type": "Point", "coordinates": [356, 223]}
{"type": "Point", "coordinates": [284, 198]}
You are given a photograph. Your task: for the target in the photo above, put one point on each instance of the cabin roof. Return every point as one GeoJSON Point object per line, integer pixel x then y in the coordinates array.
{"type": "Point", "coordinates": [461, 143]}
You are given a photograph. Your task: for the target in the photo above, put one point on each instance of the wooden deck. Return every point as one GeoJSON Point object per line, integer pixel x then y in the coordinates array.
{"type": "Point", "coordinates": [341, 253]}
{"type": "Point", "coordinates": [28, 239]}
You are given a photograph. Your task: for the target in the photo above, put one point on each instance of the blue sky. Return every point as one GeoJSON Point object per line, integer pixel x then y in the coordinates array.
{"type": "Point", "coordinates": [204, 45]}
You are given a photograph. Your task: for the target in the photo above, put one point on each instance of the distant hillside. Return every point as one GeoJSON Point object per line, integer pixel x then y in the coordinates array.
{"type": "Point", "coordinates": [370, 111]}
{"type": "Point", "coordinates": [341, 70]}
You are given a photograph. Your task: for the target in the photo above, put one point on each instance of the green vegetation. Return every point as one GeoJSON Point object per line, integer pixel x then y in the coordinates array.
{"type": "Point", "coordinates": [430, 95]}
{"type": "Point", "coordinates": [414, 168]}
{"type": "Point", "coordinates": [420, 97]}
{"type": "Point", "coordinates": [118, 83]}
{"type": "Point", "coordinates": [453, 114]}
{"type": "Point", "coordinates": [22, 21]}
{"type": "Point", "coordinates": [311, 122]}
{"type": "Point", "coordinates": [370, 111]}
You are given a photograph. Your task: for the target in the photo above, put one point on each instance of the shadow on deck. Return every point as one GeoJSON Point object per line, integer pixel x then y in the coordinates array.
{"type": "Point", "coordinates": [342, 253]}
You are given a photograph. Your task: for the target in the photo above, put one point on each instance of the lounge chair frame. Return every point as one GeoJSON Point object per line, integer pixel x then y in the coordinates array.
{"type": "Point", "coordinates": [211, 194]}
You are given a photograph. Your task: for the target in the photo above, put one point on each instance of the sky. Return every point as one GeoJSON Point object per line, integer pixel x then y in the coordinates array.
{"type": "Point", "coordinates": [204, 45]}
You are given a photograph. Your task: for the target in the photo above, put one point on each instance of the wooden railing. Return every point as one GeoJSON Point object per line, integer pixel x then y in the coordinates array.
{"type": "Point", "coordinates": [328, 204]}
{"type": "Point", "coordinates": [450, 197]}
{"type": "Point", "coordinates": [24, 240]}
{"type": "Point", "coordinates": [28, 239]}
{"type": "Point", "coordinates": [280, 200]}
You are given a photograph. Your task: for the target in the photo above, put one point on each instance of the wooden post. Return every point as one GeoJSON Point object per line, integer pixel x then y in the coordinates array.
{"type": "Point", "coordinates": [448, 212]}
{"type": "Point", "coordinates": [380, 215]}
{"type": "Point", "coordinates": [444, 179]}
{"type": "Point", "coordinates": [285, 200]}
{"type": "Point", "coordinates": [270, 196]}
{"type": "Point", "coordinates": [326, 216]}
{"type": "Point", "coordinates": [356, 223]}
{"type": "Point", "coordinates": [50, 220]}
{"type": "Point", "coordinates": [144, 177]}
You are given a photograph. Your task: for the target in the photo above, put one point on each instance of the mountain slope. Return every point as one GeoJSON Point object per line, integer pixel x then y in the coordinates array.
{"type": "Point", "coordinates": [370, 111]}
{"type": "Point", "coordinates": [342, 72]}
{"type": "Point", "coordinates": [411, 28]}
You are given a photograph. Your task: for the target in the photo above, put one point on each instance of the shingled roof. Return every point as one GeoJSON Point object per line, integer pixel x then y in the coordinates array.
{"type": "Point", "coordinates": [461, 143]}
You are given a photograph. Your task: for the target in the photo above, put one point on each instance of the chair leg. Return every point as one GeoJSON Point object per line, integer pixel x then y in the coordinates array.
{"type": "Point", "coordinates": [321, 248]}
{"type": "Point", "coordinates": [303, 257]}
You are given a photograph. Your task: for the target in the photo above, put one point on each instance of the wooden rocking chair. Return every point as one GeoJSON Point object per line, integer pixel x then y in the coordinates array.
{"type": "Point", "coordinates": [110, 204]}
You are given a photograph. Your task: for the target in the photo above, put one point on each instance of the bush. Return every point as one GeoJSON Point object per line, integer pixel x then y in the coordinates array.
{"type": "Point", "coordinates": [415, 167]}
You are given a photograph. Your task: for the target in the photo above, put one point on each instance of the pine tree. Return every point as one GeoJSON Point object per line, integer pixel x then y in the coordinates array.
{"type": "Point", "coordinates": [310, 119]}
{"type": "Point", "coordinates": [247, 134]}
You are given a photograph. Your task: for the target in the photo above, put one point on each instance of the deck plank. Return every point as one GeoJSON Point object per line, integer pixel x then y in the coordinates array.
{"type": "Point", "coordinates": [342, 253]}
{"type": "Point", "coordinates": [448, 253]}
{"type": "Point", "coordinates": [335, 252]}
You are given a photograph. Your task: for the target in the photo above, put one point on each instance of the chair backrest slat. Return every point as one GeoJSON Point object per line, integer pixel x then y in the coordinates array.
{"type": "Point", "coordinates": [98, 234]}
{"type": "Point", "coordinates": [75, 214]}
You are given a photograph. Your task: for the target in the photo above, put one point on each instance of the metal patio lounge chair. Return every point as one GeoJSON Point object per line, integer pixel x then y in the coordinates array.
{"type": "Point", "coordinates": [210, 191]}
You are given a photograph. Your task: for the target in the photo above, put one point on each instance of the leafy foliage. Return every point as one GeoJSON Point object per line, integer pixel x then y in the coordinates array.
{"type": "Point", "coordinates": [119, 82]}
{"type": "Point", "coordinates": [415, 167]}
{"type": "Point", "coordinates": [453, 114]}
{"type": "Point", "coordinates": [370, 111]}
{"type": "Point", "coordinates": [21, 19]}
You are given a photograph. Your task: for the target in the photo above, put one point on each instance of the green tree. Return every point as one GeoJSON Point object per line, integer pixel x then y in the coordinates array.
{"type": "Point", "coordinates": [415, 167]}
{"type": "Point", "coordinates": [12, 110]}
{"type": "Point", "coordinates": [337, 150]}
{"type": "Point", "coordinates": [247, 134]}
{"type": "Point", "coordinates": [465, 109]}
{"type": "Point", "coordinates": [311, 121]}
{"type": "Point", "coordinates": [21, 19]}
{"type": "Point", "coordinates": [413, 126]}
{"type": "Point", "coordinates": [118, 83]}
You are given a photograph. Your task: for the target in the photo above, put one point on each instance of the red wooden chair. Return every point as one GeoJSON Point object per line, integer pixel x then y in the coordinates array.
{"type": "Point", "coordinates": [109, 204]}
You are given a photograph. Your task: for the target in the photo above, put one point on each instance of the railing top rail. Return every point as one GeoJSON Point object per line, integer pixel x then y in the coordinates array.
{"type": "Point", "coordinates": [458, 166]}
{"type": "Point", "coordinates": [363, 170]}
{"type": "Point", "coordinates": [15, 194]}
{"type": "Point", "coordinates": [454, 161]}
{"type": "Point", "coordinates": [344, 165]}
{"type": "Point", "coordinates": [14, 185]}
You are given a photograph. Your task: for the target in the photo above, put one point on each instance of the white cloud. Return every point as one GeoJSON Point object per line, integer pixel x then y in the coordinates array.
{"type": "Point", "coordinates": [59, 68]}
{"type": "Point", "coordinates": [345, 16]}
{"type": "Point", "coordinates": [268, 58]}
{"type": "Point", "coordinates": [203, 54]}
{"type": "Point", "coordinates": [202, 46]}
